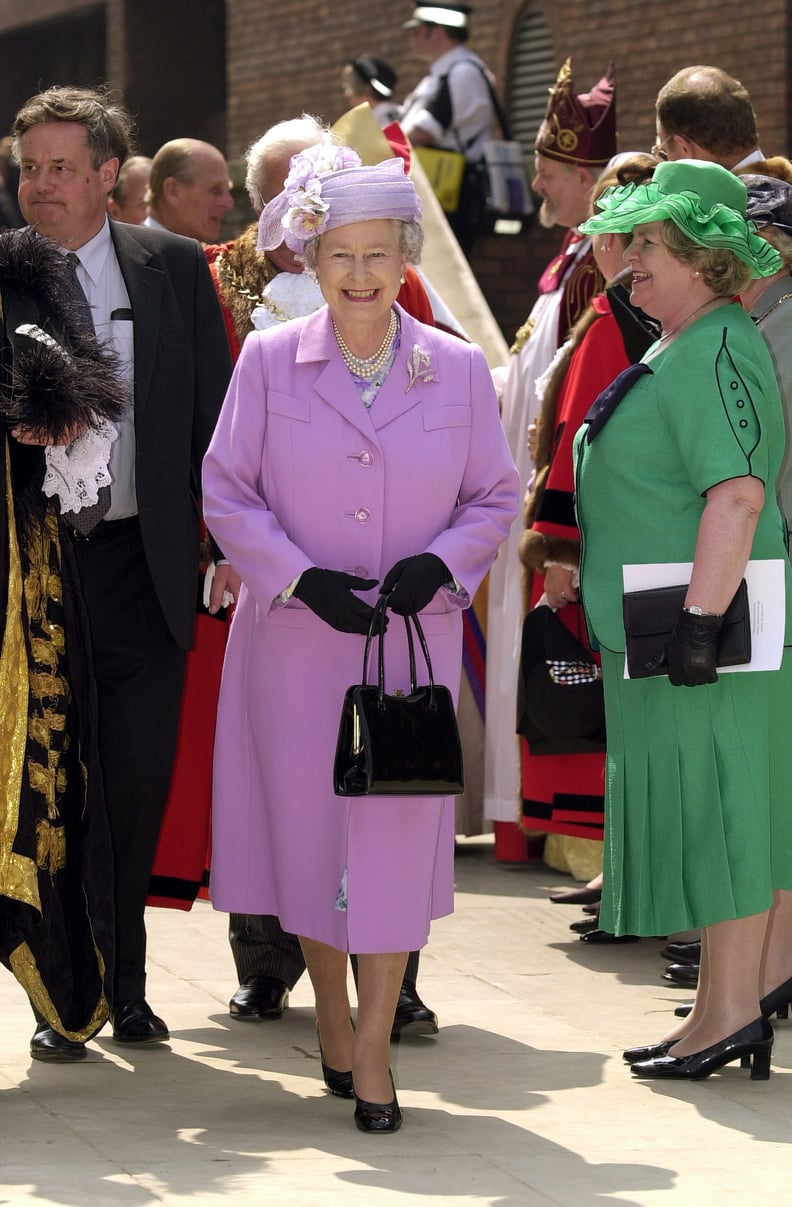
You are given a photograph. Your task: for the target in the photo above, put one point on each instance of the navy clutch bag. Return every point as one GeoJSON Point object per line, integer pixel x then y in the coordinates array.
{"type": "Point", "coordinates": [649, 620]}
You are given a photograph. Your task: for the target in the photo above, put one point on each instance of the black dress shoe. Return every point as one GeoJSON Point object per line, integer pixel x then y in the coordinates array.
{"type": "Point", "coordinates": [777, 1001]}
{"type": "Point", "coordinates": [682, 974]}
{"type": "Point", "coordinates": [750, 1045]}
{"type": "Point", "coordinates": [583, 925]}
{"type": "Point", "coordinates": [647, 1052]}
{"type": "Point", "coordinates": [412, 1015]}
{"type": "Point", "coordinates": [136, 1023]}
{"type": "Point", "coordinates": [682, 953]}
{"type": "Point", "coordinates": [337, 1083]}
{"type": "Point", "coordinates": [48, 1044]}
{"type": "Point", "coordinates": [604, 936]}
{"type": "Point", "coordinates": [259, 996]}
{"type": "Point", "coordinates": [378, 1117]}
{"type": "Point", "coordinates": [577, 896]}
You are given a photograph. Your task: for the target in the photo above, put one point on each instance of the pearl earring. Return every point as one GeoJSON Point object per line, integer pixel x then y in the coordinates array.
{"type": "Point", "coordinates": [401, 279]}
{"type": "Point", "coordinates": [603, 247]}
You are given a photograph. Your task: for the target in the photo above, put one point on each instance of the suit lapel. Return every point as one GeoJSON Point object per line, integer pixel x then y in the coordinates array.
{"type": "Point", "coordinates": [410, 375]}
{"type": "Point", "coordinates": [144, 285]}
{"type": "Point", "coordinates": [335, 385]}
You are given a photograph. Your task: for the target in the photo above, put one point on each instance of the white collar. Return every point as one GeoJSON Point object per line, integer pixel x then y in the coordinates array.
{"type": "Point", "coordinates": [753, 157]}
{"type": "Point", "coordinates": [93, 254]}
{"type": "Point", "coordinates": [446, 61]}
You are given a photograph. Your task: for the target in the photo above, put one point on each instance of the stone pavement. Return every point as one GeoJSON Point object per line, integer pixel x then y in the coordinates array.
{"type": "Point", "coordinates": [522, 1100]}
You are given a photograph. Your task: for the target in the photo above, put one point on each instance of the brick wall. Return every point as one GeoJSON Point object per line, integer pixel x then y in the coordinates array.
{"type": "Point", "coordinates": [282, 58]}
{"type": "Point", "coordinates": [15, 14]}
{"type": "Point", "coordinates": [168, 101]}
{"type": "Point", "coordinates": [650, 43]}
{"type": "Point", "coordinates": [292, 61]}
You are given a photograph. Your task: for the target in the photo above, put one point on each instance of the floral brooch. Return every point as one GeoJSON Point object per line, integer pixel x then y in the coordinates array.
{"type": "Point", "coordinates": [419, 368]}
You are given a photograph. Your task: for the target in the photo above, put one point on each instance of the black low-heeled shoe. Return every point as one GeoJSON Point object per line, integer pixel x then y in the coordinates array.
{"type": "Point", "coordinates": [134, 1022]}
{"type": "Point", "coordinates": [647, 1051]}
{"type": "Point", "coordinates": [337, 1083]}
{"type": "Point", "coordinates": [753, 1042]}
{"type": "Point", "coordinates": [686, 975]}
{"type": "Point", "coordinates": [48, 1044]}
{"type": "Point", "coordinates": [651, 1051]}
{"type": "Point", "coordinates": [582, 926]}
{"type": "Point", "coordinates": [412, 1017]}
{"type": "Point", "coordinates": [577, 896]}
{"type": "Point", "coordinates": [777, 1001]}
{"type": "Point", "coordinates": [682, 953]}
{"type": "Point", "coordinates": [604, 936]}
{"type": "Point", "coordinates": [378, 1117]}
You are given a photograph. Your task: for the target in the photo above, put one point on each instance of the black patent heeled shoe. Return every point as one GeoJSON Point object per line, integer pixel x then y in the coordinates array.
{"type": "Point", "coordinates": [754, 1042]}
{"type": "Point", "coordinates": [650, 1051]}
{"type": "Point", "coordinates": [777, 1001]}
{"type": "Point", "coordinates": [647, 1051]}
{"type": "Point", "coordinates": [378, 1117]}
{"type": "Point", "coordinates": [337, 1083]}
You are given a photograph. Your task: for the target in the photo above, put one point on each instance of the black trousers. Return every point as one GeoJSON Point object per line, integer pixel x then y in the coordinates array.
{"type": "Point", "coordinates": [139, 672]}
{"type": "Point", "coordinates": [261, 948]}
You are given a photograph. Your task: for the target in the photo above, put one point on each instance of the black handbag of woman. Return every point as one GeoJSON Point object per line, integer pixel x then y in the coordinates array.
{"type": "Point", "coordinates": [402, 745]}
{"type": "Point", "coordinates": [560, 702]}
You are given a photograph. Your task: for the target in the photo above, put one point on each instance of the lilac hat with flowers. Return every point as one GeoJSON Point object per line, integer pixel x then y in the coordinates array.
{"type": "Point", "coordinates": [328, 187]}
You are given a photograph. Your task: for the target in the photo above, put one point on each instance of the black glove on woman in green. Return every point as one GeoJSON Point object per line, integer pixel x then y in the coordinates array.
{"type": "Point", "coordinates": [692, 652]}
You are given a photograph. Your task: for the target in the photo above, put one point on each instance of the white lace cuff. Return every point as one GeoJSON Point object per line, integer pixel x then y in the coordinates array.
{"type": "Point", "coordinates": [228, 596]}
{"type": "Point", "coordinates": [76, 471]}
{"type": "Point", "coordinates": [574, 571]}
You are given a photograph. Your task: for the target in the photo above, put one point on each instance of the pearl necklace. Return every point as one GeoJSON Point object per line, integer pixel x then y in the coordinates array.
{"type": "Point", "coordinates": [368, 367]}
{"type": "Point", "coordinates": [689, 319]}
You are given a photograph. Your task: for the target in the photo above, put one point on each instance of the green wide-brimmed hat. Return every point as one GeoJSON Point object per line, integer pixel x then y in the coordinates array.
{"type": "Point", "coordinates": [704, 200]}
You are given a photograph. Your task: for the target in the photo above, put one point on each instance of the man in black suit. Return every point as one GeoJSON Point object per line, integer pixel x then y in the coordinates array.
{"type": "Point", "coordinates": [151, 299]}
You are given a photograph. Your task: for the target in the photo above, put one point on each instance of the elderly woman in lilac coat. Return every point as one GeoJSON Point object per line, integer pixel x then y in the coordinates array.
{"type": "Point", "coordinates": [357, 451]}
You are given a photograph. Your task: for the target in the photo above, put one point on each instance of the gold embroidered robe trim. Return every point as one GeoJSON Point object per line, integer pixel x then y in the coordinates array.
{"type": "Point", "coordinates": [24, 968]}
{"type": "Point", "coordinates": [18, 875]}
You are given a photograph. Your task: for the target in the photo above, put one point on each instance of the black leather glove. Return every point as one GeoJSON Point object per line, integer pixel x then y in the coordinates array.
{"type": "Point", "coordinates": [413, 582]}
{"type": "Point", "coordinates": [693, 650]}
{"type": "Point", "coordinates": [328, 593]}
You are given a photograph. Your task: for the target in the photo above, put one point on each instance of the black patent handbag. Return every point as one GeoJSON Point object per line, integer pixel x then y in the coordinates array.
{"type": "Point", "coordinates": [397, 745]}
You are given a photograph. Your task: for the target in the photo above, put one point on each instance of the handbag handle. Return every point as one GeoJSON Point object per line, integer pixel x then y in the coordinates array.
{"type": "Point", "coordinates": [377, 628]}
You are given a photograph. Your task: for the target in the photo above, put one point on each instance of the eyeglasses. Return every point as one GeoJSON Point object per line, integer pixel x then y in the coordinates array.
{"type": "Point", "coordinates": [659, 151]}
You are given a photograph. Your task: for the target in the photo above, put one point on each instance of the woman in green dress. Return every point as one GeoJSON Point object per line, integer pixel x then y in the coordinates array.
{"type": "Point", "coordinates": [677, 462]}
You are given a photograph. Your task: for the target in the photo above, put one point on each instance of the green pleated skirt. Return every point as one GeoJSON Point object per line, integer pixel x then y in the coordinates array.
{"type": "Point", "coordinates": [698, 809]}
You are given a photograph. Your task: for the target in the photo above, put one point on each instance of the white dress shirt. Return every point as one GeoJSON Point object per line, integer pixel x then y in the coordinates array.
{"type": "Point", "coordinates": [99, 274]}
{"type": "Point", "coordinates": [472, 112]}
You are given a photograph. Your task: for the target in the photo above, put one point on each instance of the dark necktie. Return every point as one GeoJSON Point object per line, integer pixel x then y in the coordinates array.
{"type": "Point", "coordinates": [86, 519]}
